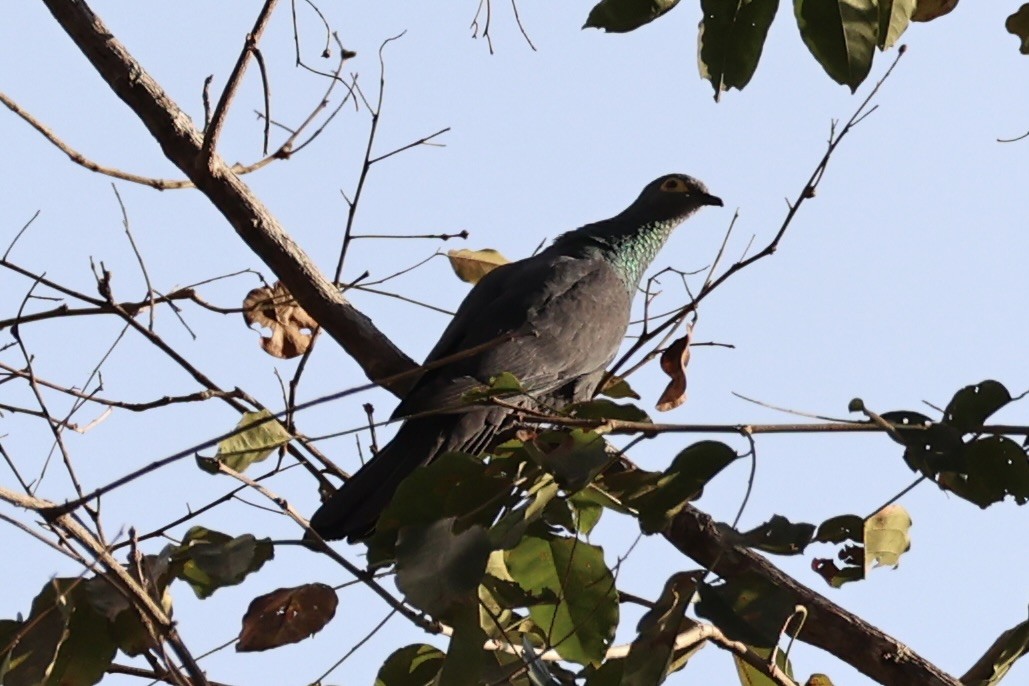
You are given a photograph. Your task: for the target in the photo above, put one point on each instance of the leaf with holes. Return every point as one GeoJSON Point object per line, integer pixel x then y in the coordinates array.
{"type": "Point", "coordinates": [779, 536]}
{"type": "Point", "coordinates": [291, 326]}
{"type": "Point", "coordinates": [973, 405]}
{"type": "Point", "coordinates": [286, 615]}
{"type": "Point", "coordinates": [993, 468]}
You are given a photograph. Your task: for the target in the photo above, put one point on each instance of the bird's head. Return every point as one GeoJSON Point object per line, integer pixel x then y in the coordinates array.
{"type": "Point", "coordinates": [673, 196]}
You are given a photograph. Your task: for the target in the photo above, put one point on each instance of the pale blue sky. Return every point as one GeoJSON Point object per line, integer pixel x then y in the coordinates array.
{"type": "Point", "coordinates": [902, 281]}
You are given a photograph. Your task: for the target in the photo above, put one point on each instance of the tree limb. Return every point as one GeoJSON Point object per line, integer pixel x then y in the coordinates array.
{"type": "Point", "coordinates": [829, 626]}
{"type": "Point", "coordinates": [182, 144]}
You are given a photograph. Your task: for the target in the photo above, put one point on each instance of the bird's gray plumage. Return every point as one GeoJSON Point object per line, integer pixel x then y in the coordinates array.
{"type": "Point", "coordinates": [568, 308]}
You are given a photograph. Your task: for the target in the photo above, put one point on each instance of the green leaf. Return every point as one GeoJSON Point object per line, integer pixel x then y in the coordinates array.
{"type": "Point", "coordinates": [618, 388]}
{"type": "Point", "coordinates": [750, 676]}
{"type": "Point", "coordinates": [886, 536]}
{"type": "Point", "coordinates": [841, 34]}
{"type": "Point", "coordinates": [208, 560]}
{"type": "Point", "coordinates": [259, 434]}
{"type": "Point", "coordinates": [413, 665]}
{"type": "Point", "coordinates": [894, 17]}
{"type": "Point", "coordinates": [125, 625]}
{"type": "Point", "coordinates": [438, 569]}
{"type": "Point", "coordinates": [732, 36]}
{"type": "Point", "coordinates": [999, 658]}
{"type": "Point", "coordinates": [501, 385]}
{"type": "Point", "coordinates": [87, 650]}
{"type": "Point", "coordinates": [608, 674]}
{"type": "Point", "coordinates": [1018, 24]}
{"type": "Point", "coordinates": [684, 479]}
{"type": "Point", "coordinates": [67, 642]}
{"type": "Point", "coordinates": [622, 16]}
{"type": "Point", "coordinates": [780, 536]}
{"type": "Point", "coordinates": [582, 623]}
{"type": "Point", "coordinates": [602, 408]}
{"type": "Point", "coordinates": [927, 10]}
{"type": "Point", "coordinates": [973, 405]}
{"type": "Point", "coordinates": [747, 607]}
{"type": "Point", "coordinates": [585, 512]}
{"type": "Point", "coordinates": [286, 615]}
{"type": "Point", "coordinates": [574, 457]}
{"type": "Point", "coordinates": [466, 659]}
{"type": "Point", "coordinates": [453, 485]}
{"type": "Point", "coordinates": [33, 658]}
{"type": "Point", "coordinates": [651, 654]}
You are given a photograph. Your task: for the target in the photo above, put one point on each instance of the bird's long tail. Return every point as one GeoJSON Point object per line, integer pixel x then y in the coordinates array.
{"type": "Point", "coordinates": [353, 510]}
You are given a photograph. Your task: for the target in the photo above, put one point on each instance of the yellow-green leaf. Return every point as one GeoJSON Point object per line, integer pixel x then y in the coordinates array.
{"type": "Point", "coordinates": [472, 265]}
{"type": "Point", "coordinates": [259, 434]}
{"type": "Point", "coordinates": [887, 536]}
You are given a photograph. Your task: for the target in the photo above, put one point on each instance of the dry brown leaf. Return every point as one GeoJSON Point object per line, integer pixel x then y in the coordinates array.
{"type": "Point", "coordinates": [274, 308]}
{"type": "Point", "coordinates": [673, 361]}
{"type": "Point", "coordinates": [286, 615]}
{"type": "Point", "coordinates": [472, 265]}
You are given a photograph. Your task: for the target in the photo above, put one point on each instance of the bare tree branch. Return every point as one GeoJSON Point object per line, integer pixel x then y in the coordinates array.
{"type": "Point", "coordinates": [182, 143]}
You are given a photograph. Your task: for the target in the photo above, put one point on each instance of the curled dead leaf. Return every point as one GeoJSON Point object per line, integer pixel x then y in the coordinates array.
{"type": "Point", "coordinates": [673, 361]}
{"type": "Point", "coordinates": [472, 265]}
{"type": "Point", "coordinates": [274, 308]}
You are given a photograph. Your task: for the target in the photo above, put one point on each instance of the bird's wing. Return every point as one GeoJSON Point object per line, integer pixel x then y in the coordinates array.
{"type": "Point", "coordinates": [568, 316]}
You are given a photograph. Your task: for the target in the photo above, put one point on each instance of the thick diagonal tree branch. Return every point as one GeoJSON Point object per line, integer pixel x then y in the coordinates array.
{"type": "Point", "coordinates": [828, 626]}
{"type": "Point", "coordinates": [182, 144]}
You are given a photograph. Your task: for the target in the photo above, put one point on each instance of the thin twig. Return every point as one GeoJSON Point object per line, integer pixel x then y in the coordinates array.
{"type": "Point", "coordinates": [221, 110]}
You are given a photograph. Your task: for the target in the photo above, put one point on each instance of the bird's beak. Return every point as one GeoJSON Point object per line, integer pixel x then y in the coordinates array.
{"type": "Point", "coordinates": [708, 199]}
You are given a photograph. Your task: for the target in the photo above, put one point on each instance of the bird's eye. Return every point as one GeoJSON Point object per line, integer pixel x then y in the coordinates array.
{"type": "Point", "coordinates": [671, 185]}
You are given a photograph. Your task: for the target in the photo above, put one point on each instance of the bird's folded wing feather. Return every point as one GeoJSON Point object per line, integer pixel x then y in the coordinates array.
{"type": "Point", "coordinates": [567, 314]}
